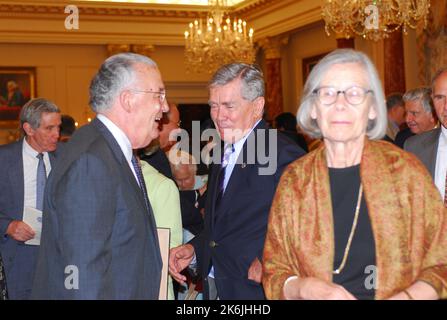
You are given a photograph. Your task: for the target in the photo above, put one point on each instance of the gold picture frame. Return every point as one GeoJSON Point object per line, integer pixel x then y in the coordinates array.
{"type": "Point", "coordinates": [17, 86]}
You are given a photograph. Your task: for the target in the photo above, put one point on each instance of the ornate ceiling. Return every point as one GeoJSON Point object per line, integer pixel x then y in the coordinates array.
{"type": "Point", "coordinates": [155, 23]}
{"type": "Point", "coordinates": [190, 2]}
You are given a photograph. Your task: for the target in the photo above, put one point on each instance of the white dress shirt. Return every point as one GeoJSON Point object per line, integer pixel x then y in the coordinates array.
{"type": "Point", "coordinates": [30, 163]}
{"type": "Point", "coordinates": [233, 157]}
{"type": "Point", "coordinates": [441, 162]}
{"type": "Point", "coordinates": [121, 139]}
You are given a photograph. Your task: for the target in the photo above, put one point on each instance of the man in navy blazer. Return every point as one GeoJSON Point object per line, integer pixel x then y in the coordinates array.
{"type": "Point", "coordinates": [229, 249]}
{"type": "Point", "coordinates": [40, 120]}
{"type": "Point", "coordinates": [99, 237]}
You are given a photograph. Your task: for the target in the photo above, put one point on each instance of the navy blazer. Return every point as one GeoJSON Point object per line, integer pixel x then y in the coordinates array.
{"type": "Point", "coordinates": [19, 259]}
{"type": "Point", "coordinates": [99, 241]}
{"type": "Point", "coordinates": [235, 231]}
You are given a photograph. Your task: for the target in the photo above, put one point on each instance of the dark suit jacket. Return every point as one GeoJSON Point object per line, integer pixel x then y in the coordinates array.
{"type": "Point", "coordinates": [235, 231]}
{"type": "Point", "coordinates": [425, 147]}
{"type": "Point", "coordinates": [97, 234]}
{"type": "Point", "coordinates": [19, 259]}
{"type": "Point", "coordinates": [402, 136]}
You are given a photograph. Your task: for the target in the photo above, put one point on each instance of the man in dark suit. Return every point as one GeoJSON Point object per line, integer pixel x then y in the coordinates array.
{"type": "Point", "coordinates": [24, 167]}
{"type": "Point", "coordinates": [431, 147]}
{"type": "Point", "coordinates": [240, 190]}
{"type": "Point", "coordinates": [99, 237]}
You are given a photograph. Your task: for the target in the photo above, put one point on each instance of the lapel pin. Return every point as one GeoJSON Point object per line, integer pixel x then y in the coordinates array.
{"type": "Point", "coordinates": [243, 165]}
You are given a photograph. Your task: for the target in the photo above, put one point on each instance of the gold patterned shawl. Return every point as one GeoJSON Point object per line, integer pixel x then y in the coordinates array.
{"type": "Point", "coordinates": [407, 216]}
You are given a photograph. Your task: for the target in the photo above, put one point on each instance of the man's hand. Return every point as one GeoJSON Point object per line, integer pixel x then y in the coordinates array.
{"type": "Point", "coordinates": [20, 231]}
{"type": "Point", "coordinates": [179, 258]}
{"type": "Point", "coordinates": [255, 271]}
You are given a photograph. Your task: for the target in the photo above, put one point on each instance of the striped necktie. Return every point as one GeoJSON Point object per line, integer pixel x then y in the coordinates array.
{"type": "Point", "coordinates": [228, 150]}
{"type": "Point", "coordinates": [137, 168]}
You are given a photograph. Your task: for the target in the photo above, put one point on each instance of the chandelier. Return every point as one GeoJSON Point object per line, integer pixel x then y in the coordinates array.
{"type": "Point", "coordinates": [215, 41]}
{"type": "Point", "coordinates": [373, 19]}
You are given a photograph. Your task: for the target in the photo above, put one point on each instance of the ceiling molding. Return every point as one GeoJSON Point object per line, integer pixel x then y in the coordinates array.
{"type": "Point", "coordinates": [157, 24]}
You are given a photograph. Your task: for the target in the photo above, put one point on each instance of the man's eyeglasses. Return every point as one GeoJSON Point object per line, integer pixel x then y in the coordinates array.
{"type": "Point", "coordinates": [160, 95]}
{"type": "Point", "coordinates": [353, 95]}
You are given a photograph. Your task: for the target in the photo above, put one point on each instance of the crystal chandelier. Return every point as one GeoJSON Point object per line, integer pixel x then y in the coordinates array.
{"type": "Point", "coordinates": [373, 19]}
{"type": "Point", "coordinates": [215, 41]}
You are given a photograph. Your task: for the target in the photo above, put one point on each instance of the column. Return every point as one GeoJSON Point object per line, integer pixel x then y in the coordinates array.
{"type": "Point", "coordinates": [273, 79]}
{"type": "Point", "coordinates": [394, 63]}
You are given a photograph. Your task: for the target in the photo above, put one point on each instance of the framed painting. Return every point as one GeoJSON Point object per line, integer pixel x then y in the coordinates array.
{"type": "Point", "coordinates": [17, 86]}
{"type": "Point", "coordinates": [309, 63]}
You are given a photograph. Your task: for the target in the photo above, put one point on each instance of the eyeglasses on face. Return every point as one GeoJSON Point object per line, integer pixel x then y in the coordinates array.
{"type": "Point", "coordinates": [160, 95]}
{"type": "Point", "coordinates": [353, 95]}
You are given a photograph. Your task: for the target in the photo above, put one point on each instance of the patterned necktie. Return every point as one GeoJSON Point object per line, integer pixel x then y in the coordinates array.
{"type": "Point", "coordinates": [41, 180]}
{"type": "Point", "coordinates": [228, 150]}
{"type": "Point", "coordinates": [137, 168]}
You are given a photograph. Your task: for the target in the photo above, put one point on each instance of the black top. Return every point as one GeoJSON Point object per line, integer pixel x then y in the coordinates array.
{"type": "Point", "coordinates": [357, 275]}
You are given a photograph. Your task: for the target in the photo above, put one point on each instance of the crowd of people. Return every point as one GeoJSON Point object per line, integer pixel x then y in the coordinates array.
{"type": "Point", "coordinates": [345, 200]}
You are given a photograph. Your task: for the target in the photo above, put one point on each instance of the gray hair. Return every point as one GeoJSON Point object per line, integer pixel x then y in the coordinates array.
{"type": "Point", "coordinates": [423, 94]}
{"type": "Point", "coordinates": [251, 76]}
{"type": "Point", "coordinates": [32, 111]}
{"type": "Point", "coordinates": [114, 75]}
{"type": "Point", "coordinates": [437, 75]}
{"type": "Point", "coordinates": [178, 158]}
{"type": "Point", "coordinates": [376, 128]}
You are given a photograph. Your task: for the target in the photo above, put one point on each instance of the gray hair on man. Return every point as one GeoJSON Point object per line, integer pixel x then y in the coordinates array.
{"type": "Point", "coordinates": [32, 111]}
{"type": "Point", "coordinates": [252, 78]}
{"type": "Point", "coordinates": [178, 158]}
{"type": "Point", "coordinates": [423, 94]}
{"type": "Point", "coordinates": [115, 74]}
{"type": "Point", "coordinates": [376, 128]}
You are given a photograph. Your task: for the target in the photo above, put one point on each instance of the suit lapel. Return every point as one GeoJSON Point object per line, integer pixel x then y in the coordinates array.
{"type": "Point", "coordinates": [16, 177]}
{"type": "Point", "coordinates": [118, 153]}
{"type": "Point", "coordinates": [432, 149]}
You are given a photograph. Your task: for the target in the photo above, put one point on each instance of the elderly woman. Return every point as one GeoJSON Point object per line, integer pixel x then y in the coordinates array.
{"type": "Point", "coordinates": [356, 218]}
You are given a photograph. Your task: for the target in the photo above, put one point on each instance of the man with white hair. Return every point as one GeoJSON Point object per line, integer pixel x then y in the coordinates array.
{"type": "Point", "coordinates": [99, 238]}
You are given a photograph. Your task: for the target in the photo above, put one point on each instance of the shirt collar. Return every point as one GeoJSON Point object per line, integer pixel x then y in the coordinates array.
{"type": "Point", "coordinates": [119, 136]}
{"type": "Point", "coordinates": [29, 150]}
{"type": "Point", "coordinates": [239, 144]}
{"type": "Point", "coordinates": [443, 136]}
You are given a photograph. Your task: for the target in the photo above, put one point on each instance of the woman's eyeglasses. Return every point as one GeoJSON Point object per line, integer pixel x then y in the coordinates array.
{"type": "Point", "coordinates": [353, 95]}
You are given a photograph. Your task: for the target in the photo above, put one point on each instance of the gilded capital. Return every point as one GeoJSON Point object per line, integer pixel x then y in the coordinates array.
{"type": "Point", "coordinates": [272, 46]}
